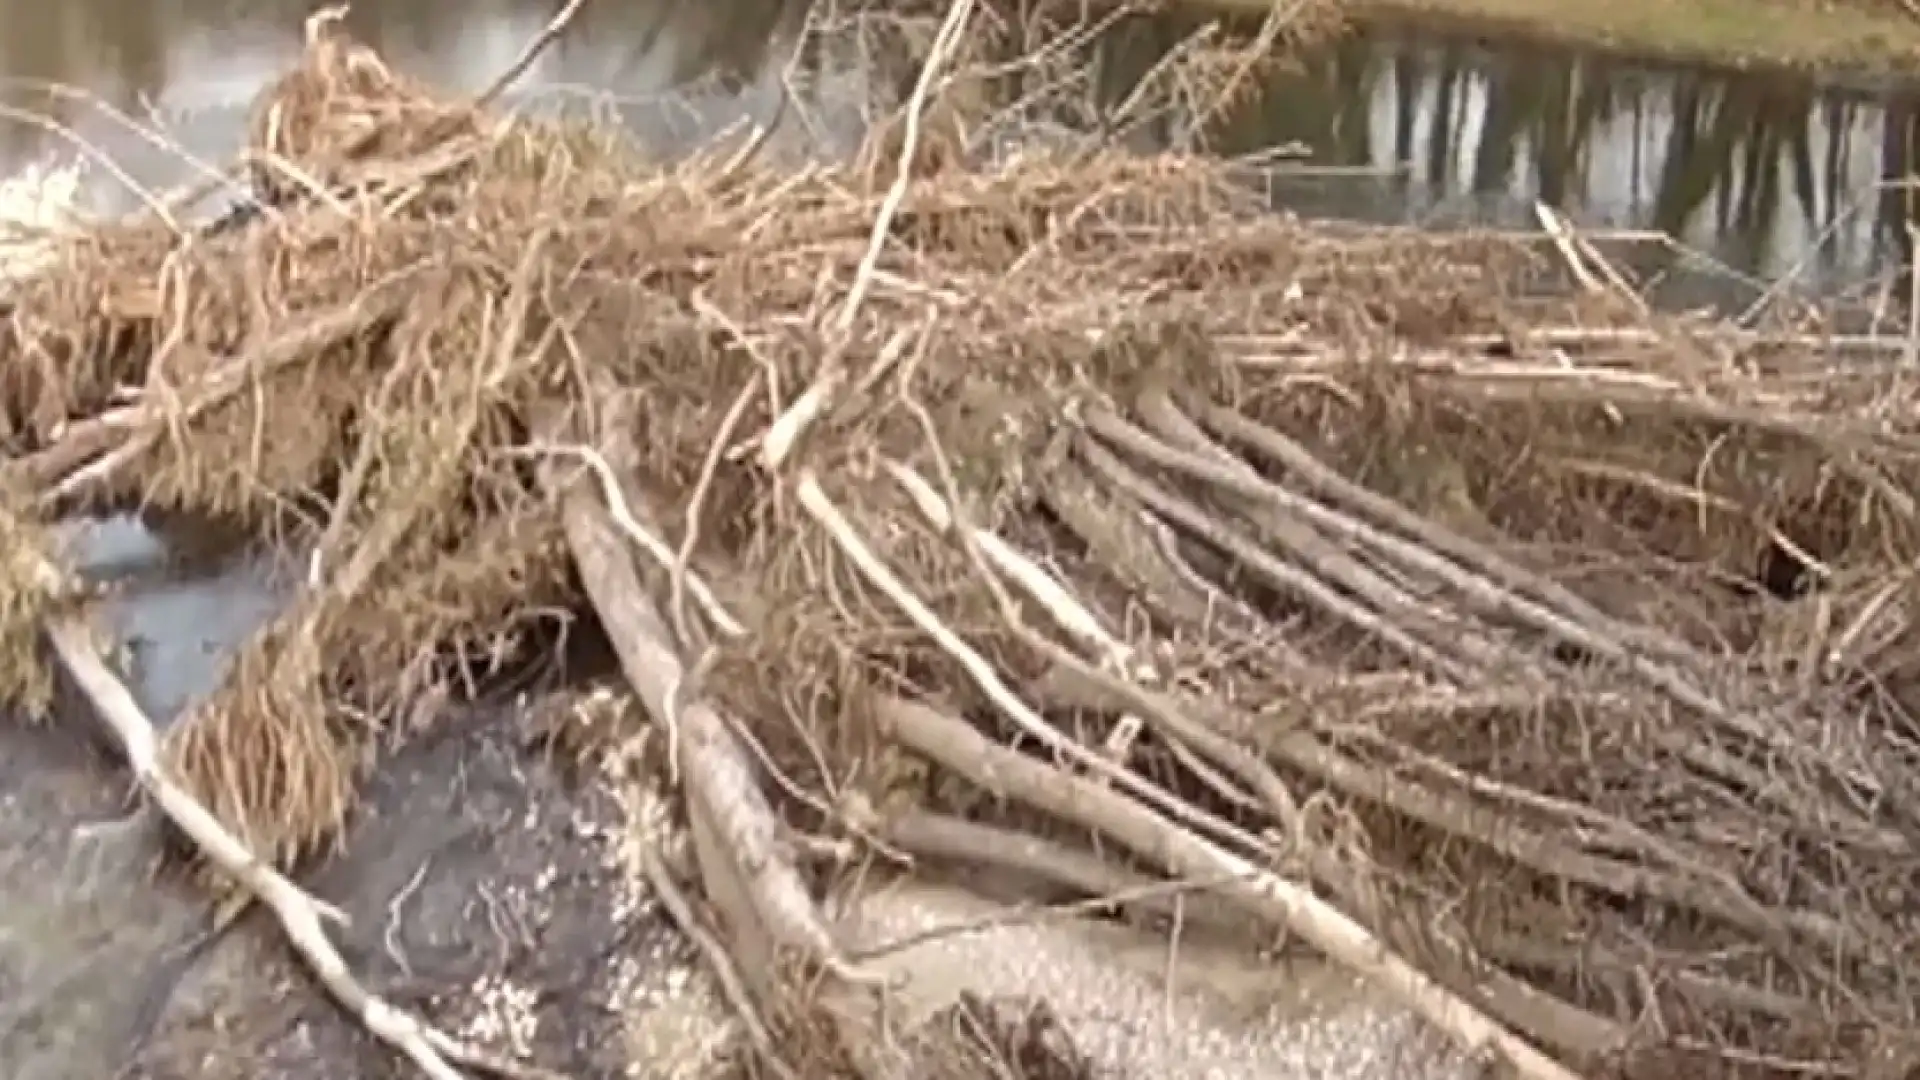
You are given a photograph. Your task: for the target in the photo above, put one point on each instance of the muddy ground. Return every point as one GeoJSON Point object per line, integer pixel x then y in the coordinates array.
{"type": "Point", "coordinates": [493, 889]}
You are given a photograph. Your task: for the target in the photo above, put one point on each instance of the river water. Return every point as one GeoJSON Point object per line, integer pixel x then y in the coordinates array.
{"type": "Point", "coordinates": [1770, 176]}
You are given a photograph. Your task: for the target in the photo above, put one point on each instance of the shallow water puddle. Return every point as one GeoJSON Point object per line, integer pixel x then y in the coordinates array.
{"type": "Point", "coordinates": [177, 628]}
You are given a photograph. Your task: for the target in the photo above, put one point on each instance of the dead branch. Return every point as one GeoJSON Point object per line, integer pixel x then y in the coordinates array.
{"type": "Point", "coordinates": [1010, 774]}
{"type": "Point", "coordinates": [1288, 577]}
{"type": "Point", "coordinates": [70, 465]}
{"type": "Point", "coordinates": [948, 838]}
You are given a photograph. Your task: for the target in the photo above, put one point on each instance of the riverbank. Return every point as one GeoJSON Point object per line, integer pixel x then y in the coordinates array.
{"type": "Point", "coordinates": [1855, 40]}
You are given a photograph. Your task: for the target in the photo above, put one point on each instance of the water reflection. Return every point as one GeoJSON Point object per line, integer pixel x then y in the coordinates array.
{"type": "Point", "coordinates": [1768, 175]}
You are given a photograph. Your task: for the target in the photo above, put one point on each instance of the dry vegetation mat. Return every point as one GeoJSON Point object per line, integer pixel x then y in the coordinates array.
{"type": "Point", "coordinates": [1548, 662]}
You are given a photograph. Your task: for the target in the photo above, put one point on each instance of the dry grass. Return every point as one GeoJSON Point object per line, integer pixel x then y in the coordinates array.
{"type": "Point", "coordinates": [1364, 568]}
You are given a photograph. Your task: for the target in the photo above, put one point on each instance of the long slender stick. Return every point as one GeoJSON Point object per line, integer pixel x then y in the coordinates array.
{"type": "Point", "coordinates": [298, 914]}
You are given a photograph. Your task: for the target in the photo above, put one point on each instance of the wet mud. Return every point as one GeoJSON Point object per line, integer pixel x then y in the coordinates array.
{"type": "Point", "coordinates": [480, 894]}
{"type": "Point", "coordinates": [481, 880]}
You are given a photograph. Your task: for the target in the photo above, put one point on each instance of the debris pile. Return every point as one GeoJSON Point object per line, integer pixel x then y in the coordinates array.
{"type": "Point", "coordinates": [1547, 661]}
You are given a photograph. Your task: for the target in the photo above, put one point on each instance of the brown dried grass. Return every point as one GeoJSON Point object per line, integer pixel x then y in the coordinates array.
{"type": "Point", "coordinates": [1538, 730]}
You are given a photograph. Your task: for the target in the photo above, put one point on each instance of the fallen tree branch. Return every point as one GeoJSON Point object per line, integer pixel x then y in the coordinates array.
{"type": "Point", "coordinates": [1121, 538]}
{"type": "Point", "coordinates": [1580, 625]}
{"type": "Point", "coordinates": [1115, 662]}
{"type": "Point", "coordinates": [928, 835]}
{"type": "Point", "coordinates": [1010, 774]}
{"type": "Point", "coordinates": [528, 54]}
{"type": "Point", "coordinates": [1685, 883]}
{"type": "Point", "coordinates": [1282, 576]}
{"type": "Point", "coordinates": [64, 470]}
{"type": "Point", "coordinates": [721, 788]}
{"type": "Point", "coordinates": [1319, 543]}
{"type": "Point", "coordinates": [1739, 775]}
{"type": "Point", "coordinates": [813, 498]}
{"type": "Point", "coordinates": [1319, 478]}
{"type": "Point", "coordinates": [643, 537]}
{"type": "Point", "coordinates": [1052, 594]}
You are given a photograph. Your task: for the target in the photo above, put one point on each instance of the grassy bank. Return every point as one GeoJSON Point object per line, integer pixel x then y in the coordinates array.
{"type": "Point", "coordinates": [1861, 38]}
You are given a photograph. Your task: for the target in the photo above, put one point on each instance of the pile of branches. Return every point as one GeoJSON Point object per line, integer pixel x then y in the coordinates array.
{"type": "Point", "coordinates": [1547, 661]}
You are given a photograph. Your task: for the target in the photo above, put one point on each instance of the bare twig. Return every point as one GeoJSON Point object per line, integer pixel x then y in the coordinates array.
{"type": "Point", "coordinates": [790, 426]}
{"type": "Point", "coordinates": [641, 536]}
{"type": "Point", "coordinates": [531, 52]}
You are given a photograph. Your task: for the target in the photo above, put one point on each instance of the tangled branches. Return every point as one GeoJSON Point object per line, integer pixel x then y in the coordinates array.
{"type": "Point", "coordinates": [1544, 660]}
